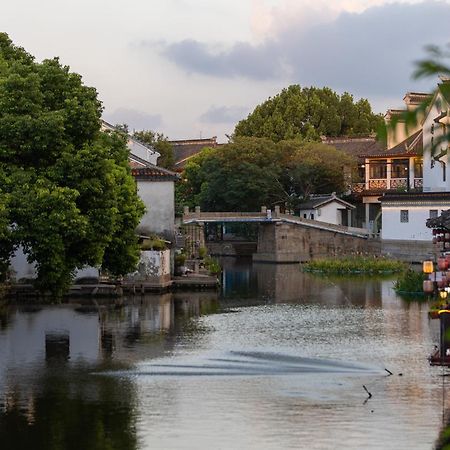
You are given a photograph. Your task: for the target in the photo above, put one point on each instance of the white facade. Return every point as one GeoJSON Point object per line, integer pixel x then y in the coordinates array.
{"type": "Point", "coordinates": [159, 200]}
{"type": "Point", "coordinates": [144, 152]}
{"type": "Point", "coordinates": [153, 265]}
{"type": "Point", "coordinates": [408, 221]}
{"type": "Point", "coordinates": [404, 219]}
{"type": "Point", "coordinates": [331, 212]}
{"type": "Point", "coordinates": [436, 173]}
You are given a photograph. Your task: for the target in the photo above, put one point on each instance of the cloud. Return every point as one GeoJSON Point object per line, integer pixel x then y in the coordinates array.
{"type": "Point", "coordinates": [370, 51]}
{"type": "Point", "coordinates": [224, 114]}
{"type": "Point", "coordinates": [242, 59]}
{"type": "Point", "coordinates": [136, 120]}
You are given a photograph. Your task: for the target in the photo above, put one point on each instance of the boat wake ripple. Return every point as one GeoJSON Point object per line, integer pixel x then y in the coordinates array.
{"type": "Point", "coordinates": [248, 363]}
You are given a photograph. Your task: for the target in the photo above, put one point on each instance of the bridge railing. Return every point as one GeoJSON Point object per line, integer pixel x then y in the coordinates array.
{"type": "Point", "coordinates": [268, 215]}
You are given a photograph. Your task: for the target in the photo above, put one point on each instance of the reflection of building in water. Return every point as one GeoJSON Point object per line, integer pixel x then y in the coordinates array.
{"type": "Point", "coordinates": [70, 334]}
{"type": "Point", "coordinates": [282, 283]}
{"type": "Point", "coordinates": [47, 352]}
{"type": "Point", "coordinates": [238, 278]}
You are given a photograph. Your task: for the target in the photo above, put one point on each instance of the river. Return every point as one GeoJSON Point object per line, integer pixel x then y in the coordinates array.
{"type": "Point", "coordinates": [279, 359]}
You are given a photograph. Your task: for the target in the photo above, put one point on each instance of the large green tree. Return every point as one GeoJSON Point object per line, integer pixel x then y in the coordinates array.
{"type": "Point", "coordinates": [309, 113]}
{"type": "Point", "coordinates": [66, 193]}
{"type": "Point", "coordinates": [251, 172]}
{"type": "Point", "coordinates": [160, 143]}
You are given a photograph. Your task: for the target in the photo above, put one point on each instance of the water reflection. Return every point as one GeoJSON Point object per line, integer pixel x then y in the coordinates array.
{"type": "Point", "coordinates": [292, 350]}
{"type": "Point", "coordinates": [49, 397]}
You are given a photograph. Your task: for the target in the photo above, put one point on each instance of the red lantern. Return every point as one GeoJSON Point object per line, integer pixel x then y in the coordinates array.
{"type": "Point", "coordinates": [442, 263]}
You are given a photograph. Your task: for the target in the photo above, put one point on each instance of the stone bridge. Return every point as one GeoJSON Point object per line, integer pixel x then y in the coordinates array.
{"type": "Point", "coordinates": [287, 238]}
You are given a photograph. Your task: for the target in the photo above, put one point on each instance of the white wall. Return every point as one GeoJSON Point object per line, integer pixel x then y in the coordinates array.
{"type": "Point", "coordinates": [414, 229]}
{"type": "Point", "coordinates": [432, 177]}
{"type": "Point", "coordinates": [142, 151]}
{"type": "Point", "coordinates": [329, 213]}
{"type": "Point", "coordinates": [21, 268]}
{"type": "Point", "coordinates": [152, 265]}
{"type": "Point", "coordinates": [159, 199]}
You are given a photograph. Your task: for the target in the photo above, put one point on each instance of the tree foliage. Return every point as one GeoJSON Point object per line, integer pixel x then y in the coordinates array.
{"type": "Point", "coordinates": [160, 143]}
{"type": "Point", "coordinates": [309, 113]}
{"type": "Point", "coordinates": [251, 172]}
{"type": "Point", "coordinates": [66, 193]}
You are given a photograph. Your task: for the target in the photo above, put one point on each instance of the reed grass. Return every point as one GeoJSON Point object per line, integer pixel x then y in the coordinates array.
{"type": "Point", "coordinates": [354, 265]}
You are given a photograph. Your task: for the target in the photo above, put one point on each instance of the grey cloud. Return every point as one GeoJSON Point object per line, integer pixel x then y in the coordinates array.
{"type": "Point", "coordinates": [136, 120]}
{"type": "Point", "coordinates": [242, 59]}
{"type": "Point", "coordinates": [224, 114]}
{"type": "Point", "coordinates": [370, 53]}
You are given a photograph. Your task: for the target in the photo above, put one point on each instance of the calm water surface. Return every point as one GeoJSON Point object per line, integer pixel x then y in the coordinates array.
{"type": "Point", "coordinates": [278, 360]}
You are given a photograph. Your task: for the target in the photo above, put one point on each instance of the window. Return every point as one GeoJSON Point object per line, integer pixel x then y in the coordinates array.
{"type": "Point", "coordinates": [418, 168]}
{"type": "Point", "coordinates": [378, 169]}
{"type": "Point", "coordinates": [311, 216]}
{"type": "Point", "coordinates": [399, 168]}
{"type": "Point", "coordinates": [433, 213]}
{"type": "Point", "coordinates": [404, 216]}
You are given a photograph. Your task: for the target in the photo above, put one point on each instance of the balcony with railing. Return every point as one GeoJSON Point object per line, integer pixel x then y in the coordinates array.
{"type": "Point", "coordinates": [384, 184]}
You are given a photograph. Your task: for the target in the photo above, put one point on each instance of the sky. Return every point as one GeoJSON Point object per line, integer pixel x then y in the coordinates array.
{"type": "Point", "coordinates": [194, 68]}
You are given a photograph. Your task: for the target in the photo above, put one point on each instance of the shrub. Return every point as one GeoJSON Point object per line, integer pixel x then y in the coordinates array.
{"type": "Point", "coordinates": [202, 252]}
{"type": "Point", "coordinates": [410, 282]}
{"type": "Point", "coordinates": [354, 264]}
{"type": "Point", "coordinates": [154, 243]}
{"type": "Point", "coordinates": [180, 259]}
{"type": "Point", "coordinates": [213, 265]}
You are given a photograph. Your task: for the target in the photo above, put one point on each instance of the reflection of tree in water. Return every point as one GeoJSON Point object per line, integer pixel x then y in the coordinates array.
{"type": "Point", "coordinates": [83, 413]}
{"type": "Point", "coordinates": [4, 317]}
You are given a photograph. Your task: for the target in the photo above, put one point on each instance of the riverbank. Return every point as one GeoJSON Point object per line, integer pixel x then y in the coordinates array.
{"type": "Point", "coordinates": [192, 281]}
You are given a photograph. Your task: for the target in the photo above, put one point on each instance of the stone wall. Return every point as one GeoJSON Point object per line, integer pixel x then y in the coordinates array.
{"type": "Point", "coordinates": [153, 267]}
{"type": "Point", "coordinates": [410, 251]}
{"type": "Point", "coordinates": [284, 242]}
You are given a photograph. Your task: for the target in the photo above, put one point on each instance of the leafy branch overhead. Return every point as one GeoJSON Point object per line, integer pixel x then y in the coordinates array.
{"type": "Point", "coordinates": [67, 197]}
{"type": "Point", "coordinates": [434, 65]}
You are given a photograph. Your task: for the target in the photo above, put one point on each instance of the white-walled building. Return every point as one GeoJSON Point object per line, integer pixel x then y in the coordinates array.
{"type": "Point", "coordinates": [327, 208]}
{"type": "Point", "coordinates": [156, 188]}
{"type": "Point", "coordinates": [404, 214]}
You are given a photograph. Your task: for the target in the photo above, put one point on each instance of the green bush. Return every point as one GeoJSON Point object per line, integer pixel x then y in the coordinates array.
{"type": "Point", "coordinates": [354, 264]}
{"type": "Point", "coordinates": [154, 243]}
{"type": "Point", "coordinates": [202, 252]}
{"type": "Point", "coordinates": [410, 282]}
{"type": "Point", "coordinates": [180, 259]}
{"type": "Point", "coordinates": [213, 265]}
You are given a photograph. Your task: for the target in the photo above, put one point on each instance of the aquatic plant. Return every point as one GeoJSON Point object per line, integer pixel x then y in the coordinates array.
{"type": "Point", "coordinates": [354, 264]}
{"type": "Point", "coordinates": [410, 282]}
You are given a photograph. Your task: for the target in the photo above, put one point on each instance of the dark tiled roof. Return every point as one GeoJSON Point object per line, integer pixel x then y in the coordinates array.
{"type": "Point", "coordinates": [415, 196]}
{"type": "Point", "coordinates": [315, 202]}
{"type": "Point", "coordinates": [411, 146]}
{"type": "Point", "coordinates": [355, 146]}
{"type": "Point", "coordinates": [416, 98]}
{"type": "Point", "coordinates": [186, 148]}
{"type": "Point", "coordinates": [143, 170]}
